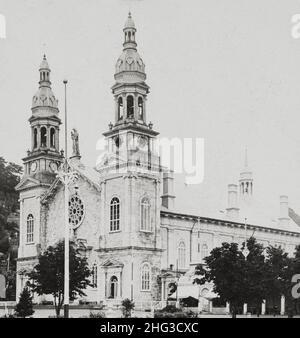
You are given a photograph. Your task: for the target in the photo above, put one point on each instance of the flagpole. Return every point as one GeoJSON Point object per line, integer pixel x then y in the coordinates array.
{"type": "Point", "coordinates": [67, 226]}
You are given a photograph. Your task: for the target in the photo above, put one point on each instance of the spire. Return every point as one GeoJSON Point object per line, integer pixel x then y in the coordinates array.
{"type": "Point", "coordinates": [129, 34]}
{"type": "Point", "coordinates": [246, 178]}
{"type": "Point", "coordinates": [129, 23]}
{"type": "Point", "coordinates": [44, 73]}
{"type": "Point", "coordinates": [130, 67]}
{"type": "Point", "coordinates": [44, 97]}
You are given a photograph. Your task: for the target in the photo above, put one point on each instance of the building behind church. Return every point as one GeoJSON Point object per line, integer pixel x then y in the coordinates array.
{"type": "Point", "coordinates": [122, 213]}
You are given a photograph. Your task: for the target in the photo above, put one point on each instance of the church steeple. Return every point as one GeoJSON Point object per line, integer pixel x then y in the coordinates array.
{"type": "Point", "coordinates": [131, 137]}
{"type": "Point", "coordinates": [246, 179]}
{"type": "Point", "coordinates": [44, 155]}
{"type": "Point", "coordinates": [130, 90]}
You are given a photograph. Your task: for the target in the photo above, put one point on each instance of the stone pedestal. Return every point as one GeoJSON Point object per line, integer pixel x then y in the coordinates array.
{"type": "Point", "coordinates": [263, 307]}
{"type": "Point", "coordinates": [245, 308]}
{"type": "Point", "coordinates": [282, 305]}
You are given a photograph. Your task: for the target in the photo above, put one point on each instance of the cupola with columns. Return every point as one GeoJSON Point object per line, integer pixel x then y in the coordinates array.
{"type": "Point", "coordinates": [44, 155]}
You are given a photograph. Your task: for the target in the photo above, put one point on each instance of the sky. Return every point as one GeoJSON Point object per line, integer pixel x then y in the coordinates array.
{"type": "Point", "coordinates": [226, 71]}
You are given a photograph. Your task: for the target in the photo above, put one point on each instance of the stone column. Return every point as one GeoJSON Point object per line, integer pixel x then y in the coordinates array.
{"type": "Point", "coordinates": [21, 230]}
{"type": "Point", "coordinates": [125, 106]}
{"type": "Point", "coordinates": [144, 103]}
{"type": "Point", "coordinates": [56, 141]}
{"type": "Point", "coordinates": [210, 306]}
{"type": "Point", "coordinates": [39, 137]}
{"type": "Point", "coordinates": [282, 305]}
{"type": "Point", "coordinates": [245, 308]}
{"type": "Point", "coordinates": [48, 137]}
{"type": "Point", "coordinates": [263, 307]}
{"type": "Point", "coordinates": [135, 107]}
{"type": "Point", "coordinates": [116, 109]}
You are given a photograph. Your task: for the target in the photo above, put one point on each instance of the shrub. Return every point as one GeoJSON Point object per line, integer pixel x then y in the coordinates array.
{"type": "Point", "coordinates": [99, 314]}
{"type": "Point", "coordinates": [25, 307]}
{"type": "Point", "coordinates": [127, 307]}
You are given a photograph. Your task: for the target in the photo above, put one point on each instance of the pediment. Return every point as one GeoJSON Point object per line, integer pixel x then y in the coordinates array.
{"type": "Point", "coordinates": [109, 160]}
{"type": "Point", "coordinates": [112, 263]}
{"type": "Point", "coordinates": [27, 182]}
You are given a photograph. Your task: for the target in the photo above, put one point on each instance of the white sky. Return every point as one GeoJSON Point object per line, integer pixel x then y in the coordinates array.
{"type": "Point", "coordinates": [227, 71]}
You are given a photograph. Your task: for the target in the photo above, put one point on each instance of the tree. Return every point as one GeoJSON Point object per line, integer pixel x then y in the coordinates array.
{"type": "Point", "coordinates": [10, 174]}
{"type": "Point", "coordinates": [256, 283]}
{"type": "Point", "coordinates": [127, 307]}
{"type": "Point", "coordinates": [47, 277]}
{"type": "Point", "coordinates": [25, 307]}
{"type": "Point", "coordinates": [225, 267]}
{"type": "Point", "coordinates": [236, 279]}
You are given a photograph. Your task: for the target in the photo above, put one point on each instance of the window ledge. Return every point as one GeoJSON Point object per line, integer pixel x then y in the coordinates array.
{"type": "Point", "coordinates": [114, 231]}
{"type": "Point", "coordinates": [30, 243]}
{"type": "Point", "coordinates": [146, 291]}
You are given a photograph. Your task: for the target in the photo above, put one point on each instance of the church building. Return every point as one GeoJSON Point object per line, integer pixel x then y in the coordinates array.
{"type": "Point", "coordinates": [122, 212]}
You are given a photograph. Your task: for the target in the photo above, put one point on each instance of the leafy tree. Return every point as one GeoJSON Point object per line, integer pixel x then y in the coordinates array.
{"type": "Point", "coordinates": [10, 174]}
{"type": "Point", "coordinates": [225, 267]}
{"type": "Point", "coordinates": [127, 307]}
{"type": "Point", "coordinates": [25, 307]}
{"type": "Point", "coordinates": [236, 279]}
{"type": "Point", "coordinates": [47, 277]}
{"type": "Point", "coordinates": [277, 274]}
{"type": "Point", "coordinates": [256, 283]}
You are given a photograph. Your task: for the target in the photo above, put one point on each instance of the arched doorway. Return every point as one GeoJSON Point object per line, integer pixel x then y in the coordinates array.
{"type": "Point", "coordinates": [113, 287]}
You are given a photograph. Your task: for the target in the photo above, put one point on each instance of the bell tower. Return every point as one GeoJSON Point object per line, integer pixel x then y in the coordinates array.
{"type": "Point", "coordinates": [130, 182]}
{"type": "Point", "coordinates": [43, 157]}
{"type": "Point", "coordinates": [131, 138]}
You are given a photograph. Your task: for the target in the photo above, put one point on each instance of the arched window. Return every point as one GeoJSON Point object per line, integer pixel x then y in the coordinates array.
{"type": "Point", "coordinates": [120, 108]}
{"type": "Point", "coordinates": [30, 229]}
{"type": "Point", "coordinates": [130, 106]}
{"type": "Point", "coordinates": [204, 251]}
{"type": "Point", "coordinates": [52, 138]}
{"type": "Point", "coordinates": [95, 276]}
{"type": "Point", "coordinates": [129, 35]}
{"type": "Point", "coordinates": [145, 277]}
{"type": "Point", "coordinates": [115, 214]}
{"type": "Point", "coordinates": [113, 287]}
{"type": "Point", "coordinates": [43, 137]}
{"type": "Point", "coordinates": [181, 255]}
{"type": "Point", "coordinates": [141, 108]}
{"type": "Point", "coordinates": [35, 138]}
{"type": "Point", "coordinates": [145, 215]}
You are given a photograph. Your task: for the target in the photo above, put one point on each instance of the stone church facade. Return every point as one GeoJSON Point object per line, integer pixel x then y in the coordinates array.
{"type": "Point", "coordinates": [122, 213]}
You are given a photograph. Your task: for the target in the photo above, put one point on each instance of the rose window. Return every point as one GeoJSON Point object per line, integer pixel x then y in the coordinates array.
{"type": "Point", "coordinates": [76, 211]}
